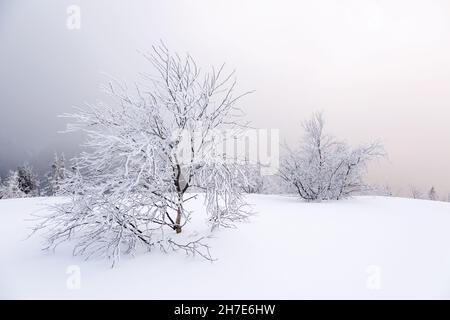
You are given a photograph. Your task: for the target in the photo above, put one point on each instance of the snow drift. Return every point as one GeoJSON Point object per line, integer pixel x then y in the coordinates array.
{"type": "Point", "coordinates": [363, 248]}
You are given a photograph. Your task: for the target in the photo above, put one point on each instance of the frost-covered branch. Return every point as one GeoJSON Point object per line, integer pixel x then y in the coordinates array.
{"type": "Point", "coordinates": [324, 168]}
{"type": "Point", "coordinates": [144, 153]}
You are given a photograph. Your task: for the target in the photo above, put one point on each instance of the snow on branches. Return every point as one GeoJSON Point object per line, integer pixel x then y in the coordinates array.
{"type": "Point", "coordinates": [10, 188]}
{"type": "Point", "coordinates": [130, 188]}
{"type": "Point", "coordinates": [20, 183]}
{"type": "Point", "coordinates": [323, 168]}
{"type": "Point", "coordinates": [56, 176]}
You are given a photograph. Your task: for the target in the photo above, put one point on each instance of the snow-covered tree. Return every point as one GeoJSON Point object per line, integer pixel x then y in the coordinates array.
{"type": "Point", "coordinates": [415, 193]}
{"type": "Point", "coordinates": [11, 187]}
{"type": "Point", "coordinates": [325, 168]}
{"type": "Point", "coordinates": [28, 180]}
{"type": "Point", "coordinates": [387, 191]}
{"type": "Point", "coordinates": [432, 194]}
{"type": "Point", "coordinates": [146, 152]}
{"type": "Point", "coordinates": [56, 175]}
{"type": "Point", "coordinates": [254, 180]}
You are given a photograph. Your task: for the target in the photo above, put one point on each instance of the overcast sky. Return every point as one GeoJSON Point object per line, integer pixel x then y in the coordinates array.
{"type": "Point", "coordinates": [378, 69]}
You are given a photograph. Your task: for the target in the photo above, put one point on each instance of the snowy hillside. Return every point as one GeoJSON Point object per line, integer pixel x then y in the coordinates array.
{"type": "Point", "coordinates": [365, 247]}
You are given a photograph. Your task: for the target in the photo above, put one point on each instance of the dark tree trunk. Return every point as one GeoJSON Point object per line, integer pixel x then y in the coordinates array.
{"type": "Point", "coordinates": [178, 220]}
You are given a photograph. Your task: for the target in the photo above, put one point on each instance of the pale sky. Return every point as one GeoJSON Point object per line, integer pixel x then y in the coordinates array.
{"type": "Point", "coordinates": [378, 69]}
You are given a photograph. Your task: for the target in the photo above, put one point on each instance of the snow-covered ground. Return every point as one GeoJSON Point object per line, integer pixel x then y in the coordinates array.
{"type": "Point", "coordinates": [365, 247]}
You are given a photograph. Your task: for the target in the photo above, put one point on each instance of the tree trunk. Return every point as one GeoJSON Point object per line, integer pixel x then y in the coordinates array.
{"type": "Point", "coordinates": [178, 220]}
{"type": "Point", "coordinates": [179, 213]}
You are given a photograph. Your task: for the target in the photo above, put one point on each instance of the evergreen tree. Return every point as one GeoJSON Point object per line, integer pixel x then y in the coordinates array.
{"type": "Point", "coordinates": [56, 176]}
{"type": "Point", "coordinates": [432, 194]}
{"type": "Point", "coordinates": [11, 187]}
{"type": "Point", "coordinates": [28, 181]}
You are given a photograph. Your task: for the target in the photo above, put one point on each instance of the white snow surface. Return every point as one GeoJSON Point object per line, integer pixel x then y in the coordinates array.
{"type": "Point", "coordinates": [360, 248]}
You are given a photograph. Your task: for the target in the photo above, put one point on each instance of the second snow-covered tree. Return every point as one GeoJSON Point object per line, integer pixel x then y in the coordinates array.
{"type": "Point", "coordinates": [323, 167]}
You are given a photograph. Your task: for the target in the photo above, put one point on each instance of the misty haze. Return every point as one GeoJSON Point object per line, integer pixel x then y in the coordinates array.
{"type": "Point", "coordinates": [376, 68]}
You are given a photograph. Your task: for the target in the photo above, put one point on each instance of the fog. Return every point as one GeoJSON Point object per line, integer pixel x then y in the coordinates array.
{"type": "Point", "coordinates": [377, 69]}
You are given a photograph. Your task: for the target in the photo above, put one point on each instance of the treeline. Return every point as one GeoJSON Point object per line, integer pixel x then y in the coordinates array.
{"type": "Point", "coordinates": [24, 182]}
